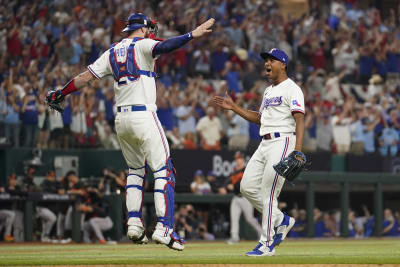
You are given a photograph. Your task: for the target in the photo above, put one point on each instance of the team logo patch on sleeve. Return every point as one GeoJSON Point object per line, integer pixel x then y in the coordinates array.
{"type": "Point", "coordinates": [294, 102]}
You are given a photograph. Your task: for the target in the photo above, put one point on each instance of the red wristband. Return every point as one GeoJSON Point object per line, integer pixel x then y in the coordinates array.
{"type": "Point", "coordinates": [69, 88]}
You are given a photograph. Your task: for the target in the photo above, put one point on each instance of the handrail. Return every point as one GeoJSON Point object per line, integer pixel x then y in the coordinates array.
{"type": "Point", "coordinates": [351, 177]}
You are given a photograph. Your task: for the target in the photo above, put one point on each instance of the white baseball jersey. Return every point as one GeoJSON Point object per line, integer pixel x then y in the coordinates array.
{"type": "Point", "coordinates": [142, 90]}
{"type": "Point", "coordinates": [278, 104]}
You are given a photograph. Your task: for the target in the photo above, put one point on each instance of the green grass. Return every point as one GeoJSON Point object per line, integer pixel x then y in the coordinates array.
{"type": "Point", "coordinates": [373, 251]}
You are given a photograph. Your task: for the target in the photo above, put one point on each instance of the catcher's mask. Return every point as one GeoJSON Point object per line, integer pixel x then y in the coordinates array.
{"type": "Point", "coordinates": [139, 20]}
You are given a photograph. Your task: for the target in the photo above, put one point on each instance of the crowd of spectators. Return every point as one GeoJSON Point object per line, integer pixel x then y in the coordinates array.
{"type": "Point", "coordinates": [327, 223]}
{"type": "Point", "coordinates": [344, 55]}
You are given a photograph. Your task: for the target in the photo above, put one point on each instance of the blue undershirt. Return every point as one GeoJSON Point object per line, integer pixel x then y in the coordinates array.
{"type": "Point", "coordinates": [171, 44]}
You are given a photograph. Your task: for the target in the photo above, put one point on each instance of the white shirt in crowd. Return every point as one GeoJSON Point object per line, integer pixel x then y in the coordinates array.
{"type": "Point", "coordinates": [188, 125]}
{"type": "Point", "coordinates": [78, 124]}
{"type": "Point", "coordinates": [201, 189]}
{"type": "Point", "coordinates": [210, 129]}
{"type": "Point", "coordinates": [341, 132]}
{"type": "Point", "coordinates": [241, 126]}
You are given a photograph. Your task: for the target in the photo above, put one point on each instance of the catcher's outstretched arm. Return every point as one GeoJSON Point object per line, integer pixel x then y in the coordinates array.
{"type": "Point", "coordinates": [173, 43]}
{"type": "Point", "coordinates": [299, 118]}
{"type": "Point", "coordinates": [77, 83]}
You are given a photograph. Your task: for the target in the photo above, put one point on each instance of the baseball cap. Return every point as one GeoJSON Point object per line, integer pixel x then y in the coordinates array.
{"type": "Point", "coordinates": [211, 173]}
{"type": "Point", "coordinates": [198, 172]}
{"type": "Point", "coordinates": [276, 54]}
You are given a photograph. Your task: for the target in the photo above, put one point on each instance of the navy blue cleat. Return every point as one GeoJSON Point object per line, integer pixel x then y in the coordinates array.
{"type": "Point", "coordinates": [283, 229]}
{"type": "Point", "coordinates": [261, 250]}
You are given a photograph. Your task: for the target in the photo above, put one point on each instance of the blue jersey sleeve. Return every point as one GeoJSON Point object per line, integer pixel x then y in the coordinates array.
{"type": "Point", "coordinates": [171, 44]}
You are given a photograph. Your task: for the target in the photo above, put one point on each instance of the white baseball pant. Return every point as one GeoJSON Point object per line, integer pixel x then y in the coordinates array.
{"type": "Point", "coordinates": [48, 219]}
{"type": "Point", "coordinates": [143, 141]}
{"type": "Point", "coordinates": [239, 205]}
{"type": "Point", "coordinates": [97, 225]}
{"type": "Point", "coordinates": [261, 185]}
{"type": "Point", "coordinates": [7, 218]}
{"type": "Point", "coordinates": [68, 218]}
{"type": "Point", "coordinates": [18, 231]}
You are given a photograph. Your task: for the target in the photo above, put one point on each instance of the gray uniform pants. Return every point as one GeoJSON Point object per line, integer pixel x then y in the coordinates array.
{"type": "Point", "coordinates": [48, 219]}
{"type": "Point", "coordinates": [7, 218]}
{"type": "Point", "coordinates": [64, 221]}
{"type": "Point", "coordinates": [19, 226]}
{"type": "Point", "coordinates": [98, 226]}
{"type": "Point", "coordinates": [240, 204]}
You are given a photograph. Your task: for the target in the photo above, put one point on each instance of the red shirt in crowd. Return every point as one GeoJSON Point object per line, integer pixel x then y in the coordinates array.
{"type": "Point", "coordinates": [14, 45]}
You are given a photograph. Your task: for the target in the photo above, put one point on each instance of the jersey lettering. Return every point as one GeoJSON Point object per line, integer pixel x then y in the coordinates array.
{"type": "Point", "coordinates": [273, 101]}
{"type": "Point", "coordinates": [123, 63]}
{"type": "Point", "coordinates": [120, 54]}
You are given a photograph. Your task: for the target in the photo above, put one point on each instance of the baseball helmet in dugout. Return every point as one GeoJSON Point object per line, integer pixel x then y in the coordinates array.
{"type": "Point", "coordinates": [139, 20]}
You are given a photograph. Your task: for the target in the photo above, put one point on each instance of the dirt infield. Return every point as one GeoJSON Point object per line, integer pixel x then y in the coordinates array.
{"type": "Point", "coordinates": [229, 265]}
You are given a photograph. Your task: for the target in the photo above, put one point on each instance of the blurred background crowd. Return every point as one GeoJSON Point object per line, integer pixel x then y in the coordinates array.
{"type": "Point", "coordinates": [344, 55]}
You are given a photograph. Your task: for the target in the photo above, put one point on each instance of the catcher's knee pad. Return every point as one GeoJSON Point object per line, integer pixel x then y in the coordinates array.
{"type": "Point", "coordinates": [164, 194]}
{"type": "Point", "coordinates": [134, 194]}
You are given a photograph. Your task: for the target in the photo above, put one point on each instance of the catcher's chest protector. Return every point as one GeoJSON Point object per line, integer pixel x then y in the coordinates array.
{"type": "Point", "coordinates": [123, 63]}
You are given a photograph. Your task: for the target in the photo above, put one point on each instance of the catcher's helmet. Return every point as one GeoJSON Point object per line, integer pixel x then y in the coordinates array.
{"type": "Point", "coordinates": [138, 20]}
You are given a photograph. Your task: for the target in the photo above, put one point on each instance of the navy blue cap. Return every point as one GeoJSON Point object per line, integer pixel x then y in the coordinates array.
{"type": "Point", "coordinates": [198, 172]}
{"type": "Point", "coordinates": [276, 54]}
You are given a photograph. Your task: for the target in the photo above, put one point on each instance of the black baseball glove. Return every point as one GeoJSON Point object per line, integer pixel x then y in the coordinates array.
{"type": "Point", "coordinates": [291, 166]}
{"type": "Point", "coordinates": [55, 99]}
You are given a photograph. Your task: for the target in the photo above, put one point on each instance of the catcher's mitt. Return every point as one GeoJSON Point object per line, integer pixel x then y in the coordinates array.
{"type": "Point", "coordinates": [291, 166]}
{"type": "Point", "coordinates": [54, 99]}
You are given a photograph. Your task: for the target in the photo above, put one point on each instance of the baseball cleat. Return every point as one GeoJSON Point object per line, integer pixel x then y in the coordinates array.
{"type": "Point", "coordinates": [232, 241]}
{"type": "Point", "coordinates": [168, 238]}
{"type": "Point", "coordinates": [137, 235]}
{"type": "Point", "coordinates": [9, 238]}
{"type": "Point", "coordinates": [261, 250]}
{"type": "Point", "coordinates": [66, 240]}
{"type": "Point", "coordinates": [283, 229]}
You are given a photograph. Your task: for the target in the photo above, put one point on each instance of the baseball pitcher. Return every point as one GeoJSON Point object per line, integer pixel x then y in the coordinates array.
{"type": "Point", "coordinates": [281, 117]}
{"type": "Point", "coordinates": [131, 62]}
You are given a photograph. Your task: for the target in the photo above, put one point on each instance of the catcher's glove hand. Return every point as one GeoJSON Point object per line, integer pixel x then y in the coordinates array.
{"type": "Point", "coordinates": [54, 99]}
{"type": "Point", "coordinates": [291, 166]}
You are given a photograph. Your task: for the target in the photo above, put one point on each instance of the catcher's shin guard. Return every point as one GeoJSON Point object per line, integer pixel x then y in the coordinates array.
{"type": "Point", "coordinates": [134, 200]}
{"type": "Point", "coordinates": [164, 198]}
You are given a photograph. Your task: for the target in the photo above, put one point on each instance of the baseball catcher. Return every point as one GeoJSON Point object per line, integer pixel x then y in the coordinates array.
{"type": "Point", "coordinates": [291, 166]}
{"type": "Point", "coordinates": [131, 62]}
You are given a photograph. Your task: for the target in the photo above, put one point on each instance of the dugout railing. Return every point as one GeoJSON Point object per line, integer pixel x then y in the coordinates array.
{"type": "Point", "coordinates": [344, 179]}
{"type": "Point", "coordinates": [310, 179]}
